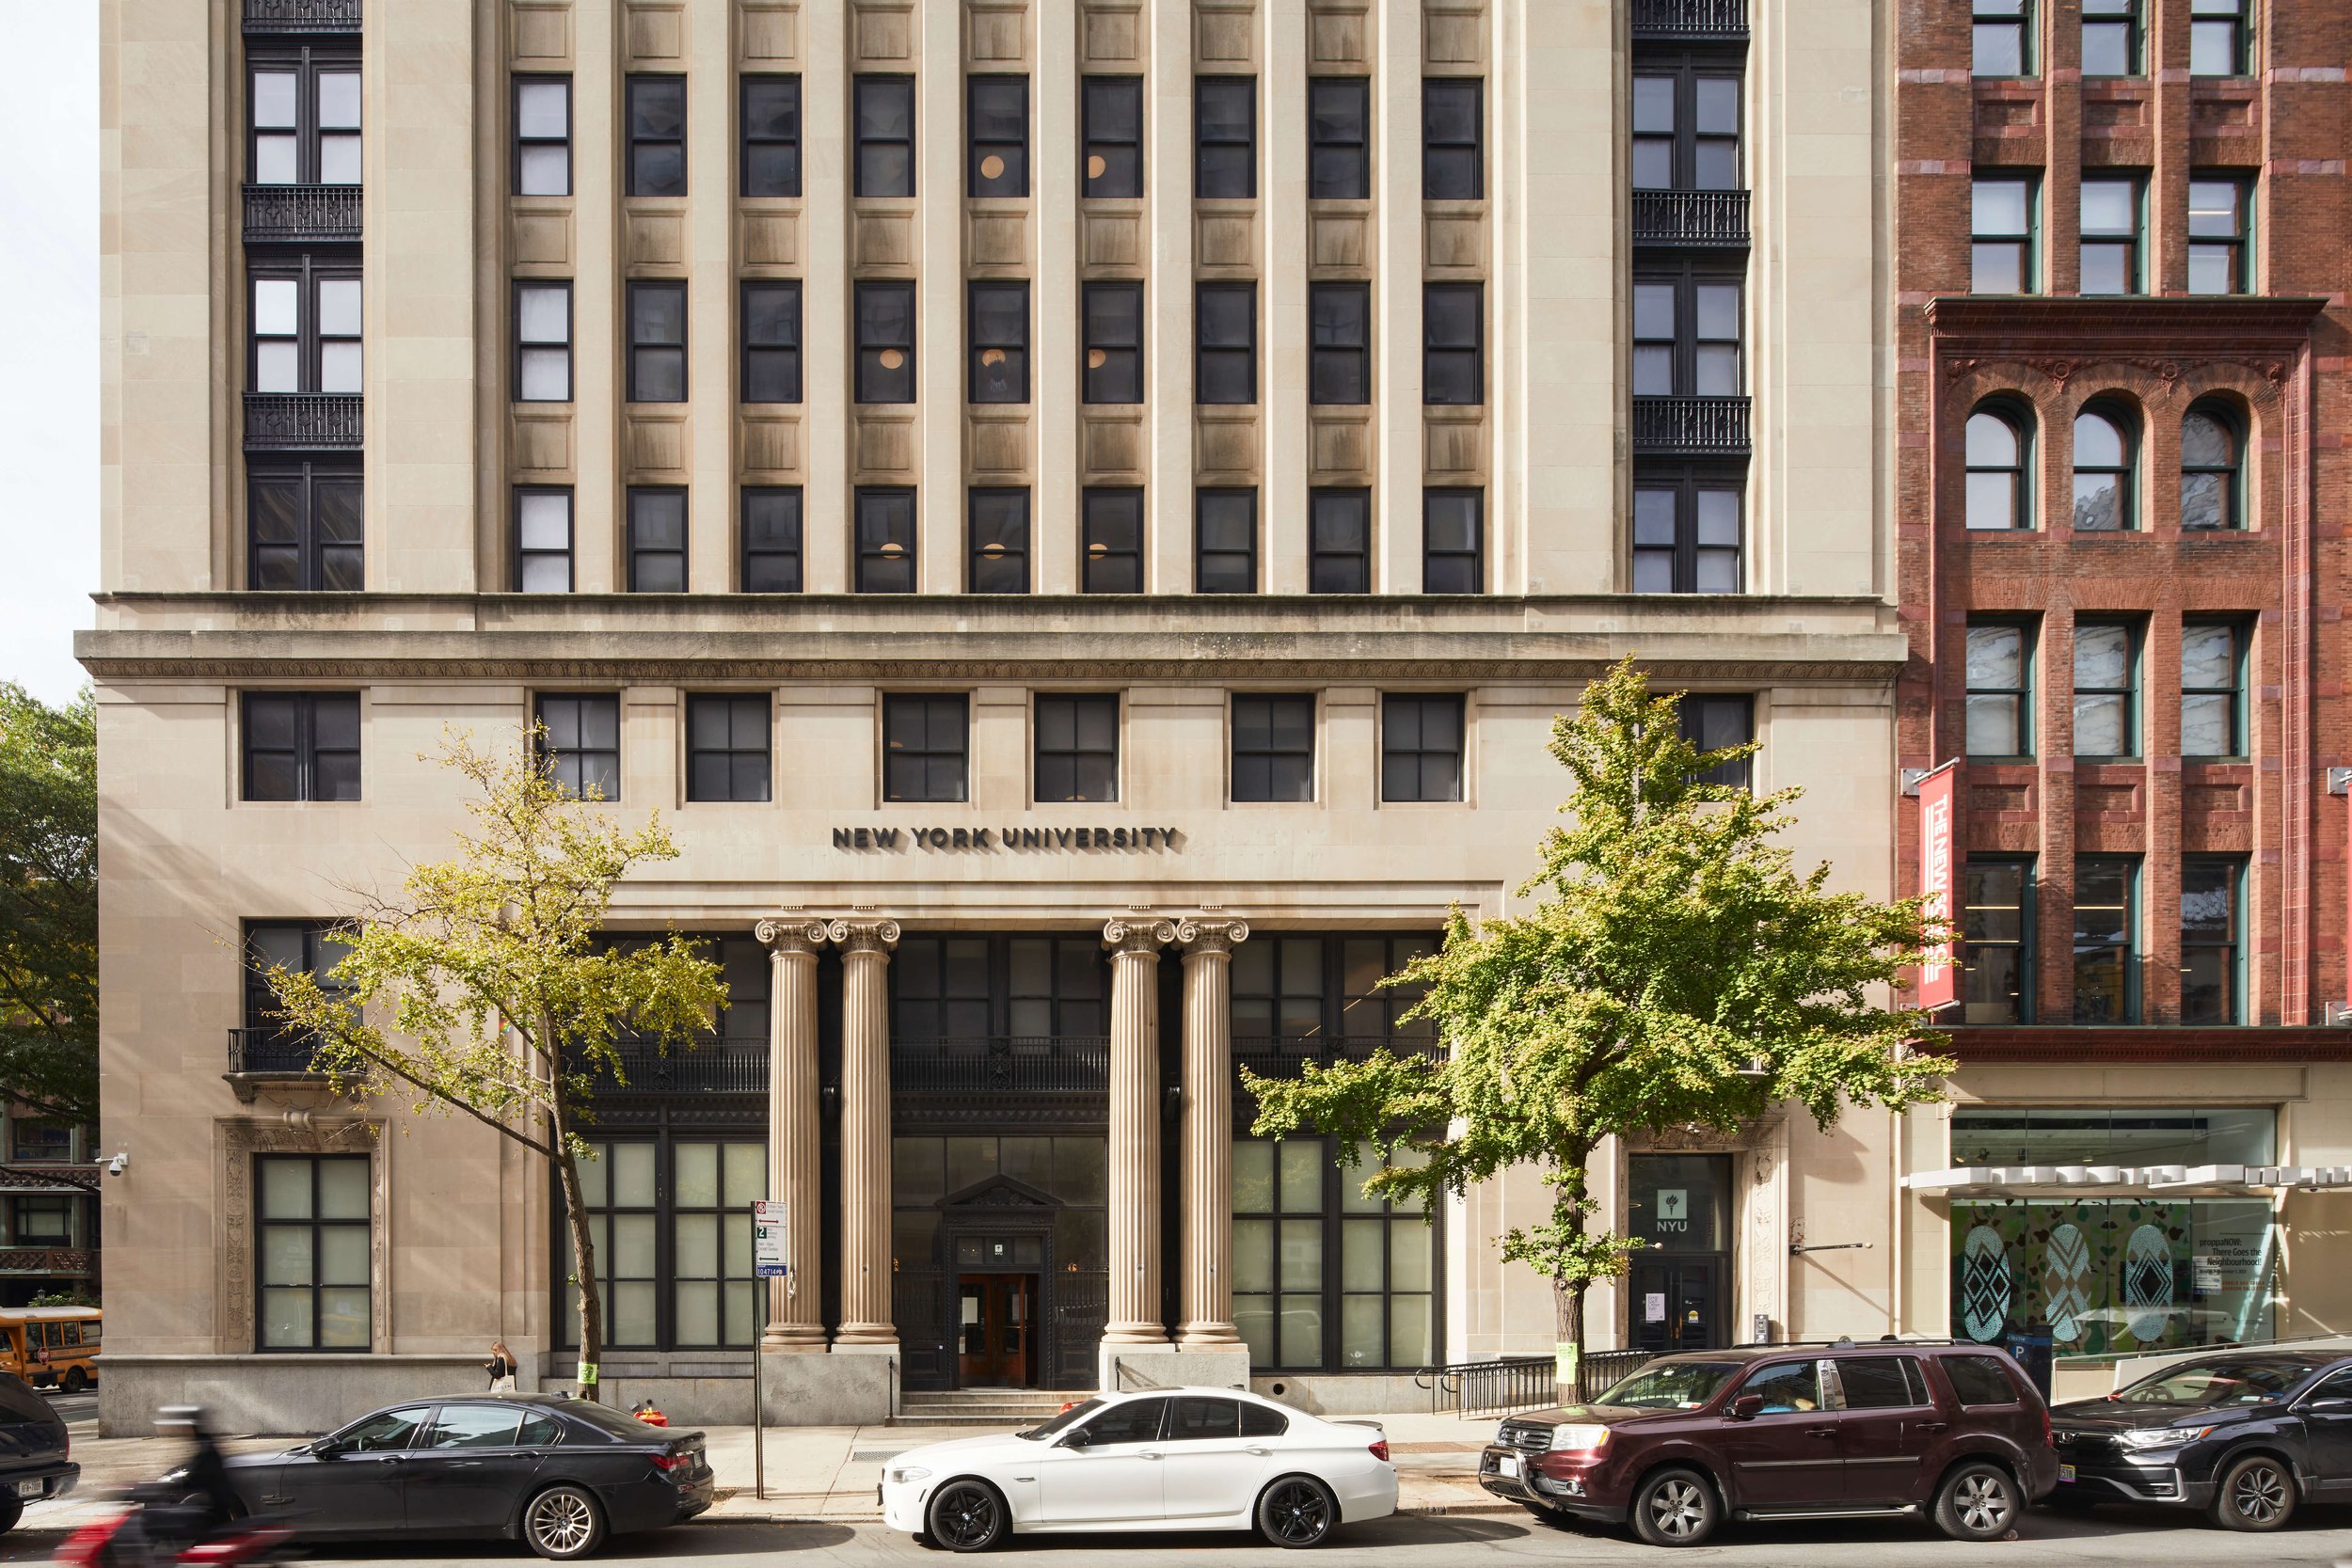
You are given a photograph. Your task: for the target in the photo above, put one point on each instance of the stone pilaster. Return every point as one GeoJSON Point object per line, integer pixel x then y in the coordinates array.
{"type": "Point", "coordinates": [1135, 1133]}
{"type": "Point", "coordinates": [794, 1323]}
{"type": "Point", "coordinates": [866, 1310]}
{"type": "Point", "coordinates": [1206, 1290]}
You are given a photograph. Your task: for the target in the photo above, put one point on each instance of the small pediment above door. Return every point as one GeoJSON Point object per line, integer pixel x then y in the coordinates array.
{"type": "Point", "coordinates": [999, 1194]}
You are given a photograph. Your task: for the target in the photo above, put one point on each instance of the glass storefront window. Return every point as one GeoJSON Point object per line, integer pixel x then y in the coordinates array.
{"type": "Point", "coordinates": [1295, 1212]}
{"type": "Point", "coordinates": [2113, 1135]}
{"type": "Point", "coordinates": [673, 1264]}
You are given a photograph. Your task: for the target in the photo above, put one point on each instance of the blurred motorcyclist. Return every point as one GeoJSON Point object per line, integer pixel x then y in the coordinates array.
{"type": "Point", "coordinates": [205, 1501]}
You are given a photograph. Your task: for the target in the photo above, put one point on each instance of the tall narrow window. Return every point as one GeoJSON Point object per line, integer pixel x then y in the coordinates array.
{"type": "Point", "coordinates": [2003, 38]}
{"type": "Point", "coordinates": [305, 331]}
{"type": "Point", "coordinates": [1686, 130]}
{"type": "Point", "coordinates": [543, 136]}
{"type": "Point", "coordinates": [925, 746]}
{"type": "Point", "coordinates": [1113, 369]}
{"type": "Point", "coordinates": [1686, 533]}
{"type": "Point", "coordinates": [2107, 688]}
{"type": "Point", "coordinates": [771, 341]}
{"type": "Point", "coordinates": [305, 120]}
{"type": "Point", "coordinates": [1999, 450]}
{"type": "Point", "coordinates": [2212, 689]}
{"type": "Point", "coordinates": [301, 745]}
{"type": "Point", "coordinates": [315, 1249]}
{"type": "Point", "coordinates": [770, 129]}
{"type": "Point", "coordinates": [1339, 138]}
{"type": "Point", "coordinates": [1226, 537]}
{"type": "Point", "coordinates": [657, 136]}
{"type": "Point", "coordinates": [543, 540]}
{"type": "Point", "coordinates": [1339, 350]}
{"type": "Point", "coordinates": [543, 342]}
{"type": "Point", "coordinates": [2210, 894]}
{"type": "Point", "coordinates": [1453, 535]}
{"type": "Point", "coordinates": [2000, 691]}
{"type": "Point", "coordinates": [1226, 355]}
{"type": "Point", "coordinates": [581, 737]}
{"type": "Point", "coordinates": [1453, 138]}
{"type": "Point", "coordinates": [771, 539]}
{"type": "Point", "coordinates": [2216, 37]}
{"type": "Point", "coordinates": [886, 342]}
{"type": "Point", "coordinates": [996, 136]}
{"type": "Point", "coordinates": [1713, 723]}
{"type": "Point", "coordinates": [2212, 490]}
{"type": "Point", "coordinates": [1453, 339]}
{"type": "Point", "coordinates": [727, 746]}
{"type": "Point", "coordinates": [885, 114]}
{"type": "Point", "coordinates": [1113, 543]}
{"type": "Point", "coordinates": [1687, 336]}
{"type": "Point", "coordinates": [1274, 747]}
{"type": "Point", "coordinates": [1339, 540]}
{"type": "Point", "coordinates": [656, 540]}
{"type": "Point", "coordinates": [1077, 748]}
{"type": "Point", "coordinates": [997, 319]}
{"type": "Point", "coordinates": [884, 530]}
{"type": "Point", "coordinates": [1225, 137]}
{"type": "Point", "coordinates": [2001, 244]}
{"type": "Point", "coordinates": [1654, 134]}
{"type": "Point", "coordinates": [1111, 129]}
{"type": "Point", "coordinates": [2110, 38]}
{"type": "Point", "coordinates": [2106, 977]}
{"type": "Point", "coordinates": [2219, 218]}
{"type": "Point", "coordinates": [1420, 747]}
{"type": "Point", "coordinates": [303, 528]}
{"type": "Point", "coordinates": [1279, 1266]}
{"type": "Point", "coordinates": [656, 343]}
{"type": "Point", "coordinates": [2111, 236]}
{"type": "Point", "coordinates": [2105, 492]}
{"type": "Point", "coordinates": [998, 524]}
{"type": "Point", "coordinates": [1996, 922]}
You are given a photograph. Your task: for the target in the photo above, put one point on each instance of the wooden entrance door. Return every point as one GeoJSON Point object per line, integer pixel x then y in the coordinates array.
{"type": "Point", "coordinates": [996, 1329]}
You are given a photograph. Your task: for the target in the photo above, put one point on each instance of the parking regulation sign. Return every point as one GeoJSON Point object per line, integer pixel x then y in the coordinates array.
{"type": "Point", "coordinates": [767, 1239]}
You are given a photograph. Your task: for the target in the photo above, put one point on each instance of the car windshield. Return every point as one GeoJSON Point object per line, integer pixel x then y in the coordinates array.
{"type": "Point", "coordinates": [1670, 1386]}
{"type": "Point", "coordinates": [1061, 1423]}
{"type": "Point", "coordinates": [2210, 1384]}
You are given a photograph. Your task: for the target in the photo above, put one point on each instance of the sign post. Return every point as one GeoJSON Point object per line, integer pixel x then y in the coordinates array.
{"type": "Point", "coordinates": [769, 1234]}
{"type": "Point", "coordinates": [1939, 883]}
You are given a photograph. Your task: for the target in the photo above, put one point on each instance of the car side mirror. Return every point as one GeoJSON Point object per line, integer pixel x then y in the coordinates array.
{"type": "Point", "coordinates": [1076, 1439]}
{"type": "Point", "coordinates": [325, 1448]}
{"type": "Point", "coordinates": [1747, 1407]}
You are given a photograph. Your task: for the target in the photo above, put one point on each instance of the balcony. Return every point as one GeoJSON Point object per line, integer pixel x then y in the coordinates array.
{"type": "Point", "coordinates": [1002, 1064]}
{"type": "Point", "coordinates": [1271, 1056]}
{"type": "Point", "coordinates": [1681, 19]}
{"type": "Point", "coordinates": [301, 16]}
{"type": "Point", "coordinates": [302, 214]}
{"type": "Point", "coordinates": [43, 1262]}
{"type": "Point", "coordinates": [290, 422]}
{"type": "Point", "coordinates": [732, 1065]}
{"type": "Point", "coordinates": [1693, 219]}
{"type": "Point", "coordinates": [1691, 427]}
{"type": "Point", "coordinates": [274, 1054]}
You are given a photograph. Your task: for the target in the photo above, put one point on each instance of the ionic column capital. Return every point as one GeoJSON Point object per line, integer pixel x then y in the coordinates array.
{"type": "Point", "coordinates": [864, 935]}
{"type": "Point", "coordinates": [792, 934]}
{"type": "Point", "coordinates": [1144, 935]}
{"type": "Point", "coordinates": [1205, 934]}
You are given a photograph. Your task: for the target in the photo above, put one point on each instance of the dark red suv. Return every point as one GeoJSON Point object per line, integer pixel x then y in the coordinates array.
{"type": "Point", "coordinates": [1789, 1432]}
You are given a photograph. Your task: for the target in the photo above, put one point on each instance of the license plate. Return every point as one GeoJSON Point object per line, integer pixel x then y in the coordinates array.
{"type": "Point", "coordinates": [1508, 1465]}
{"type": "Point", "coordinates": [31, 1488]}
{"type": "Point", "coordinates": [2066, 1472]}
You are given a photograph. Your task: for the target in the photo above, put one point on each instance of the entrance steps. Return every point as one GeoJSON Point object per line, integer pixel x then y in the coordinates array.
{"type": "Point", "coordinates": [1006, 1408]}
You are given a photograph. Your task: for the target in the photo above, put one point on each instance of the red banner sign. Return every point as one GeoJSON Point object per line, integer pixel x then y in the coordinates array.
{"type": "Point", "coordinates": [1938, 881]}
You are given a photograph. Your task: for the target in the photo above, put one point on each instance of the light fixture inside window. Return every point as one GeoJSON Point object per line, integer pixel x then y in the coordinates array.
{"type": "Point", "coordinates": [893, 550]}
{"type": "Point", "coordinates": [991, 357]}
{"type": "Point", "coordinates": [992, 167]}
{"type": "Point", "coordinates": [892, 359]}
{"type": "Point", "coordinates": [1096, 358]}
{"type": "Point", "coordinates": [1096, 165]}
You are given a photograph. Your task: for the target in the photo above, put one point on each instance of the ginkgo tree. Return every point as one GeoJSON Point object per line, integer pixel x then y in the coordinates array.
{"type": "Point", "coordinates": [484, 989]}
{"type": "Point", "coordinates": [1676, 969]}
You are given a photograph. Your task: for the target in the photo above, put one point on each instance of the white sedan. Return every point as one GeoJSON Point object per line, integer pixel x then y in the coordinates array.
{"type": "Point", "coordinates": [1168, 1459]}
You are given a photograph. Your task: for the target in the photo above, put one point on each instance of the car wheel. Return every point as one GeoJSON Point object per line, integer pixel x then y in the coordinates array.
{"type": "Point", "coordinates": [2256, 1493]}
{"type": "Point", "coordinates": [1978, 1501]}
{"type": "Point", "coordinates": [1675, 1508]}
{"type": "Point", "coordinates": [12, 1511]}
{"type": "Point", "coordinates": [967, 1516]}
{"type": "Point", "coordinates": [1296, 1511]}
{"type": "Point", "coordinates": [562, 1523]}
{"type": "Point", "coordinates": [75, 1380]}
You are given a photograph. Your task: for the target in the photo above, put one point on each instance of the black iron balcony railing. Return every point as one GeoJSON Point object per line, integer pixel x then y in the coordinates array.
{"type": "Point", "coordinates": [301, 422]}
{"type": "Point", "coordinates": [275, 1049]}
{"type": "Point", "coordinates": [44, 1260]}
{"type": "Point", "coordinates": [1690, 426]}
{"type": "Point", "coordinates": [716, 1064]}
{"type": "Point", "coordinates": [301, 214]}
{"type": "Point", "coordinates": [1690, 217]}
{"type": "Point", "coordinates": [1281, 1057]}
{"type": "Point", "coordinates": [1683, 19]}
{"type": "Point", "coordinates": [1001, 1064]}
{"type": "Point", "coordinates": [301, 16]}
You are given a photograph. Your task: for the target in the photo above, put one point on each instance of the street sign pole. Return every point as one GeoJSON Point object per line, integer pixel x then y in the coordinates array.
{"type": "Point", "coordinates": [770, 1249]}
{"type": "Point", "coordinates": [759, 1410]}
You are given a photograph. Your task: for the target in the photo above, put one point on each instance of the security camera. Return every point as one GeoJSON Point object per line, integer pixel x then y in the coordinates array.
{"type": "Point", "coordinates": [116, 1165]}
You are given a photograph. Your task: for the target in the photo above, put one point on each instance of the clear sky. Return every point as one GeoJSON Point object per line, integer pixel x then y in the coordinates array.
{"type": "Point", "coordinates": [49, 395]}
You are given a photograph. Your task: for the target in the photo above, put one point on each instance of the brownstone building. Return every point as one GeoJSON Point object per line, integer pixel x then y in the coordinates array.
{"type": "Point", "coordinates": [2121, 271]}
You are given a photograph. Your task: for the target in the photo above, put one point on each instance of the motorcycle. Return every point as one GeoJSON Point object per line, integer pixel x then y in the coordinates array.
{"type": "Point", "coordinates": [155, 1531]}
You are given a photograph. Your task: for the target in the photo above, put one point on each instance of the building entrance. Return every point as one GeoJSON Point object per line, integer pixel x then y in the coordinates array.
{"type": "Point", "coordinates": [997, 1327]}
{"type": "Point", "coordinates": [1680, 1204]}
{"type": "Point", "coordinates": [1677, 1303]}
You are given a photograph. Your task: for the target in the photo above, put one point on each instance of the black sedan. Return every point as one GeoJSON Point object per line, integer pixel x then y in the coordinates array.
{"type": "Point", "coordinates": [33, 1450]}
{"type": "Point", "coordinates": [2245, 1434]}
{"type": "Point", "coordinates": [561, 1474]}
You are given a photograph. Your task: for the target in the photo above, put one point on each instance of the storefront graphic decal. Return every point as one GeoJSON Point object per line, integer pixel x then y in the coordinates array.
{"type": "Point", "coordinates": [2147, 1282]}
{"type": "Point", "coordinates": [1984, 1285]}
{"type": "Point", "coordinates": [2066, 1283]}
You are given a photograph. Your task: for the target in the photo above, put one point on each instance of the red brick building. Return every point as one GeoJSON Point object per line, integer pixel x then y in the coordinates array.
{"type": "Point", "coordinates": [2122, 251]}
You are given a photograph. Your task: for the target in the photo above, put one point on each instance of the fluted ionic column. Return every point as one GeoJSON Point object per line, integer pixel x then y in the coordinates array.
{"type": "Point", "coordinates": [866, 1311]}
{"type": "Point", "coordinates": [1135, 1133]}
{"type": "Point", "coordinates": [1205, 1293]}
{"type": "Point", "coordinates": [794, 1320]}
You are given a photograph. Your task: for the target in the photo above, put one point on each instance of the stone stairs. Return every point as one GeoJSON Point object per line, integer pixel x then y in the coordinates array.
{"type": "Point", "coordinates": [1008, 1409]}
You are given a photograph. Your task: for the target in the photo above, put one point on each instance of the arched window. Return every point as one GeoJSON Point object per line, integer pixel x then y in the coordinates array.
{"type": "Point", "coordinates": [2212, 493]}
{"type": "Point", "coordinates": [2103, 470]}
{"type": "Point", "coordinates": [1998, 450]}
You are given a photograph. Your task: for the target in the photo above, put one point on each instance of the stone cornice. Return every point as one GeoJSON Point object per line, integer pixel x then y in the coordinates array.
{"type": "Point", "coordinates": [2178, 328]}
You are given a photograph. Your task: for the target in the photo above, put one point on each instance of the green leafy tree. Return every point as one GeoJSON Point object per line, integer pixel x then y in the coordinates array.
{"type": "Point", "coordinates": [49, 904]}
{"type": "Point", "coordinates": [1677, 969]}
{"type": "Point", "coordinates": [483, 990]}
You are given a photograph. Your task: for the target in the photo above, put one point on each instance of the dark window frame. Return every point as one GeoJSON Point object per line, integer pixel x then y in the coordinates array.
{"type": "Point", "coordinates": [1687, 555]}
{"type": "Point", "coordinates": [317, 1225]}
{"type": "Point", "coordinates": [571, 766]}
{"type": "Point", "coordinates": [870, 385]}
{"type": "Point", "coordinates": [665, 1213]}
{"type": "Point", "coordinates": [1684, 139]}
{"type": "Point", "coordinates": [308, 276]}
{"type": "Point", "coordinates": [2026, 242]}
{"type": "Point", "coordinates": [739, 705]}
{"type": "Point", "coordinates": [2235, 246]}
{"type": "Point", "coordinates": [2011, 16]}
{"type": "Point", "coordinates": [2227, 479]}
{"type": "Point", "coordinates": [2228, 19]}
{"type": "Point", "coordinates": [525, 144]}
{"type": "Point", "coordinates": [754, 549]}
{"type": "Point", "coordinates": [2231, 979]}
{"type": "Point", "coordinates": [1012, 181]}
{"type": "Point", "coordinates": [641, 351]}
{"type": "Point", "coordinates": [1973, 907]}
{"type": "Point", "coordinates": [1437, 152]}
{"type": "Point", "coordinates": [1258, 769]}
{"type": "Point", "coordinates": [308, 134]}
{"type": "Point", "coordinates": [2021, 693]}
{"type": "Point", "coordinates": [1221, 356]}
{"type": "Point", "coordinates": [320, 563]}
{"type": "Point", "coordinates": [2019, 474]}
{"type": "Point", "coordinates": [877, 83]}
{"type": "Point", "coordinates": [1329, 558]}
{"type": "Point", "coordinates": [1210, 562]}
{"type": "Point", "coordinates": [1339, 343]}
{"type": "Point", "coordinates": [1010, 371]}
{"type": "Point", "coordinates": [1338, 165]}
{"type": "Point", "coordinates": [2134, 630]}
{"type": "Point", "coordinates": [2125, 954]}
{"type": "Point", "coordinates": [1075, 756]}
{"type": "Point", "coordinates": [873, 562]}
{"type": "Point", "coordinates": [770, 355]}
{"type": "Point", "coordinates": [2133, 244]}
{"type": "Point", "coordinates": [2099, 27]}
{"type": "Point", "coordinates": [1443, 358]}
{"type": "Point", "coordinates": [1205, 87]}
{"type": "Point", "coordinates": [935, 749]}
{"type": "Point", "coordinates": [1105, 566]}
{"type": "Point", "coordinates": [1396, 746]}
{"type": "Point", "coordinates": [1008, 570]}
{"type": "Point", "coordinates": [637, 553]}
{"type": "Point", "coordinates": [313, 782]}
{"type": "Point", "coordinates": [1326, 1220]}
{"type": "Point", "coordinates": [2124, 475]}
{"type": "Point", "coordinates": [1117, 375]}
{"type": "Point", "coordinates": [526, 553]}
{"type": "Point", "coordinates": [752, 147]}
{"type": "Point", "coordinates": [1702, 716]}
{"type": "Point", "coordinates": [525, 347]}
{"type": "Point", "coordinates": [2235, 692]}
{"type": "Point", "coordinates": [1119, 154]}
{"type": "Point", "coordinates": [639, 143]}
{"type": "Point", "coordinates": [1453, 568]}
{"type": "Point", "coordinates": [1689, 346]}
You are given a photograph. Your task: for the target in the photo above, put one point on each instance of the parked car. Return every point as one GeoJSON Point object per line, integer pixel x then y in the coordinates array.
{"type": "Point", "coordinates": [1789, 1432]}
{"type": "Point", "coordinates": [1169, 1459]}
{"type": "Point", "coordinates": [2245, 1434]}
{"type": "Point", "coordinates": [561, 1474]}
{"type": "Point", "coordinates": [34, 1451]}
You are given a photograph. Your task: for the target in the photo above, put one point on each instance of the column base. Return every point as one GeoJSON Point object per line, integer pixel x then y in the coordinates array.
{"type": "Point", "coordinates": [1141, 1336]}
{"type": "Point", "coordinates": [865, 1339]}
{"type": "Point", "coordinates": [1208, 1337]}
{"type": "Point", "coordinates": [793, 1340]}
{"type": "Point", "coordinates": [1126, 1369]}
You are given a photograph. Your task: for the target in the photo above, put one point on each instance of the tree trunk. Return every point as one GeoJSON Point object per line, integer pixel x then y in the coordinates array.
{"type": "Point", "coordinates": [583, 1252]}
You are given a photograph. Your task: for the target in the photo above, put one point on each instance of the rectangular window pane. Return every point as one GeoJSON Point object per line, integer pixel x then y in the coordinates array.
{"type": "Point", "coordinates": [1339, 542]}
{"type": "Point", "coordinates": [996, 136]}
{"type": "Point", "coordinates": [772, 343]}
{"type": "Point", "coordinates": [656, 343]}
{"type": "Point", "coordinates": [1226, 542]}
{"type": "Point", "coordinates": [1225, 131]}
{"type": "Point", "coordinates": [886, 342]}
{"type": "Point", "coordinates": [1113, 544]}
{"type": "Point", "coordinates": [543, 540]}
{"type": "Point", "coordinates": [1421, 748]}
{"type": "Point", "coordinates": [1338, 141]}
{"type": "Point", "coordinates": [771, 127]}
{"type": "Point", "coordinates": [998, 541]}
{"type": "Point", "coordinates": [657, 541]}
{"type": "Point", "coordinates": [1453, 546]}
{"type": "Point", "coordinates": [657, 136]}
{"type": "Point", "coordinates": [543, 136]}
{"type": "Point", "coordinates": [1113, 349]}
{"type": "Point", "coordinates": [884, 125]}
{"type": "Point", "coordinates": [1111, 117]}
{"type": "Point", "coordinates": [884, 540]}
{"type": "Point", "coordinates": [997, 322]}
{"type": "Point", "coordinates": [1076, 748]}
{"type": "Point", "coordinates": [1453, 335]}
{"type": "Point", "coordinates": [1226, 355]}
{"type": "Point", "coordinates": [1339, 324]}
{"type": "Point", "coordinates": [1452, 127]}
{"type": "Point", "coordinates": [772, 540]}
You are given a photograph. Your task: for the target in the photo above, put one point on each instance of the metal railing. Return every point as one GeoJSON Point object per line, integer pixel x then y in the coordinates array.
{"type": "Point", "coordinates": [301, 214]}
{"type": "Point", "coordinates": [735, 1065]}
{"type": "Point", "coordinates": [1491, 1387]}
{"type": "Point", "coordinates": [1283, 1055]}
{"type": "Point", "coordinates": [1691, 18]}
{"type": "Point", "coordinates": [1698, 426]}
{"type": "Point", "coordinates": [1690, 217]}
{"type": "Point", "coordinates": [1001, 1064]}
{"type": "Point", "coordinates": [301, 16]}
{"type": "Point", "coordinates": [1597, 1372]}
{"type": "Point", "coordinates": [271, 1050]}
{"type": "Point", "coordinates": [301, 422]}
{"type": "Point", "coordinates": [44, 1259]}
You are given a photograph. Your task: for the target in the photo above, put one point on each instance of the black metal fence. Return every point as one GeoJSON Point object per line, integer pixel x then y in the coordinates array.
{"type": "Point", "coordinates": [301, 16]}
{"type": "Point", "coordinates": [1001, 1064]}
{"type": "Point", "coordinates": [1687, 19]}
{"type": "Point", "coordinates": [714, 1065]}
{"type": "Point", "coordinates": [301, 214]}
{"type": "Point", "coordinates": [1281, 1057]}
{"type": "Point", "coordinates": [1491, 1387]}
{"type": "Point", "coordinates": [276, 1049]}
{"type": "Point", "coordinates": [1709, 218]}
{"type": "Point", "coordinates": [1599, 1371]}
{"type": "Point", "coordinates": [1693, 425]}
{"type": "Point", "coordinates": [301, 422]}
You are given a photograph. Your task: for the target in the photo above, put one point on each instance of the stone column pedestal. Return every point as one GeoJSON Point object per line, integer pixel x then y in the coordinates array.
{"type": "Point", "coordinates": [794, 1323]}
{"type": "Point", "coordinates": [866, 1307]}
{"type": "Point", "coordinates": [1134, 1133]}
{"type": "Point", "coordinates": [1206, 1291]}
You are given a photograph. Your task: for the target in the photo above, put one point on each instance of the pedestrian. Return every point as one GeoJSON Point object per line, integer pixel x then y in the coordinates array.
{"type": "Point", "coordinates": [501, 1367]}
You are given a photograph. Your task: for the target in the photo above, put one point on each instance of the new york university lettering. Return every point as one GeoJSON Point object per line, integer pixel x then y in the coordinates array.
{"type": "Point", "coordinates": [1004, 838]}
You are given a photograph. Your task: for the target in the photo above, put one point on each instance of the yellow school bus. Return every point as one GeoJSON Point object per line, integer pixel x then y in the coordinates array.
{"type": "Point", "coordinates": [49, 1346]}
